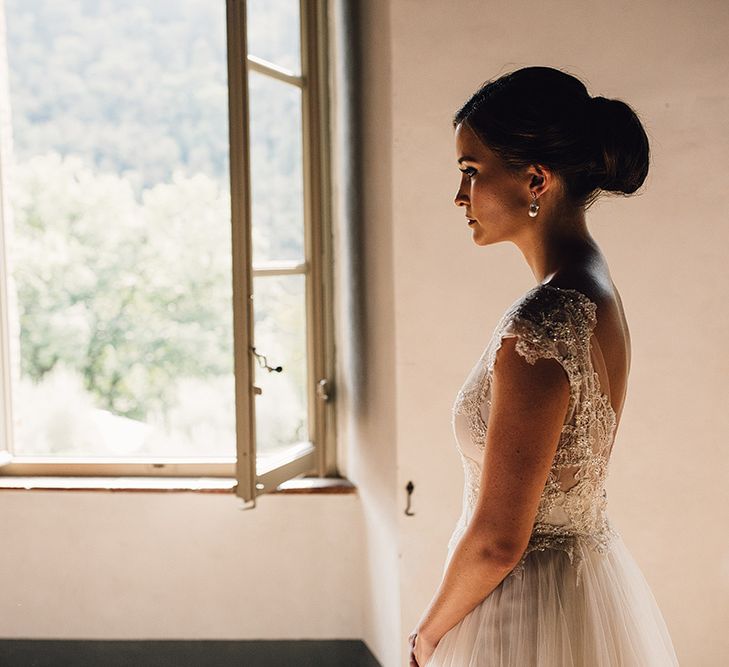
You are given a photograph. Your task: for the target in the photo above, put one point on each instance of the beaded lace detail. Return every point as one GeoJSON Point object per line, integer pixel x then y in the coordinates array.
{"type": "Point", "coordinates": [557, 323]}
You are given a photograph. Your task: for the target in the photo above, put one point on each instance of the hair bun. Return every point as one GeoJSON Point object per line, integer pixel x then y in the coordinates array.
{"type": "Point", "coordinates": [543, 115]}
{"type": "Point", "coordinates": [621, 145]}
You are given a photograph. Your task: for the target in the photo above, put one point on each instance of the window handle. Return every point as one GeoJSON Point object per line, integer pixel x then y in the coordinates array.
{"type": "Point", "coordinates": [263, 363]}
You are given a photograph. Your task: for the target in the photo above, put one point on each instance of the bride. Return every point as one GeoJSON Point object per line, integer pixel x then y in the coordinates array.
{"type": "Point", "coordinates": [536, 574]}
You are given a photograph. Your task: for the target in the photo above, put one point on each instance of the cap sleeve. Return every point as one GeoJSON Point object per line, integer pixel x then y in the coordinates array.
{"type": "Point", "coordinates": [555, 323]}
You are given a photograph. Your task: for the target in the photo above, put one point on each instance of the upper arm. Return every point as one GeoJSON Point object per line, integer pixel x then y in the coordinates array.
{"type": "Point", "coordinates": [529, 402]}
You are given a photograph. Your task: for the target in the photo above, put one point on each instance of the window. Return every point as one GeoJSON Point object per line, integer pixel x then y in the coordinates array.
{"type": "Point", "coordinates": [166, 275]}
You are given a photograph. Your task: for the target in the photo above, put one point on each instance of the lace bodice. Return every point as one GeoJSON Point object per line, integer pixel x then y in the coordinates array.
{"type": "Point", "coordinates": [557, 323]}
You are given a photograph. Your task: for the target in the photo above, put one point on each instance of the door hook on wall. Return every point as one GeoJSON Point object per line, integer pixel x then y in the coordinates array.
{"type": "Point", "coordinates": [409, 488]}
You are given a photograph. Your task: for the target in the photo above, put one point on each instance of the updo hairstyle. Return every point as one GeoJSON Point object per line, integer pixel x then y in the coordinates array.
{"type": "Point", "coordinates": [541, 115]}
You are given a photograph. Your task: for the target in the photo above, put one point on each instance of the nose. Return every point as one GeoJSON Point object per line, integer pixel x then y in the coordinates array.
{"type": "Point", "coordinates": [461, 198]}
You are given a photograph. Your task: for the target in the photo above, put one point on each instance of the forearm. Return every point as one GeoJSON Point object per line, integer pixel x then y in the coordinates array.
{"type": "Point", "coordinates": [472, 574]}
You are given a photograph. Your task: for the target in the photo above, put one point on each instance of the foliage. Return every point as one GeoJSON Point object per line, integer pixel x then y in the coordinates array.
{"type": "Point", "coordinates": [121, 250]}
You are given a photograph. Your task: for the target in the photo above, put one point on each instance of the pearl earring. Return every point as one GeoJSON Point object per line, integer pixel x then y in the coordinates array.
{"type": "Point", "coordinates": [533, 207]}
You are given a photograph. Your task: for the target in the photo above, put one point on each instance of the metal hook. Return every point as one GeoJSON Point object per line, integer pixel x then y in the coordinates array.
{"type": "Point", "coordinates": [264, 363]}
{"type": "Point", "coordinates": [409, 488]}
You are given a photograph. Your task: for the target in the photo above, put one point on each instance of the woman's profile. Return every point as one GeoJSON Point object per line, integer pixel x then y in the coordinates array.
{"type": "Point", "coordinates": [536, 573]}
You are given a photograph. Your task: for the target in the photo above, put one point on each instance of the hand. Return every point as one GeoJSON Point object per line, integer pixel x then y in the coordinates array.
{"type": "Point", "coordinates": [411, 641]}
{"type": "Point", "coordinates": [421, 649]}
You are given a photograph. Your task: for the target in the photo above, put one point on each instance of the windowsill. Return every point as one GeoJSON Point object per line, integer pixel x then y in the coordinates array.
{"type": "Point", "coordinates": [313, 485]}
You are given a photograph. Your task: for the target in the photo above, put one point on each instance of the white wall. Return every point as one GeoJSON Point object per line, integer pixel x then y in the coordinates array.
{"type": "Point", "coordinates": [136, 565]}
{"type": "Point", "coordinates": [367, 357]}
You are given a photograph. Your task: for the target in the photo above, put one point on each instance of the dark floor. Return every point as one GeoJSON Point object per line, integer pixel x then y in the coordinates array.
{"type": "Point", "coordinates": [268, 653]}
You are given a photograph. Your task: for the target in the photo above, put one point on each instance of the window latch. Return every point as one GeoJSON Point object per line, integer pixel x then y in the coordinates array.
{"type": "Point", "coordinates": [263, 363]}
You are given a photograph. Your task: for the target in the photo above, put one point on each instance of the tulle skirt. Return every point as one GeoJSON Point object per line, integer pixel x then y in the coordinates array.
{"type": "Point", "coordinates": [544, 617]}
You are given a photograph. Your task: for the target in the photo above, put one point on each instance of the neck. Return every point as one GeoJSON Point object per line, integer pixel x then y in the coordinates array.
{"type": "Point", "coordinates": [556, 244]}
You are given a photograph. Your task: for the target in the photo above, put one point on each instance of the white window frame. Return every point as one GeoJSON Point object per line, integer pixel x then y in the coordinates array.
{"type": "Point", "coordinates": [318, 459]}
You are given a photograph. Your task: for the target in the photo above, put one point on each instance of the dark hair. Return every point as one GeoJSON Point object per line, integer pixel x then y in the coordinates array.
{"type": "Point", "coordinates": [542, 115]}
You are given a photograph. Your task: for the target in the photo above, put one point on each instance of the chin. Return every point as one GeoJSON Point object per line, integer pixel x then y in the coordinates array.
{"type": "Point", "coordinates": [484, 241]}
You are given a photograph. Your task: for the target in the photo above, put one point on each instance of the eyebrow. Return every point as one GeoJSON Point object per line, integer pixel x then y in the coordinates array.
{"type": "Point", "coordinates": [467, 158]}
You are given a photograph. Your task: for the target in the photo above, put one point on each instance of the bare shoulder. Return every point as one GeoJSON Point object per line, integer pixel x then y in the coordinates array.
{"type": "Point", "coordinates": [596, 285]}
{"type": "Point", "coordinates": [599, 287]}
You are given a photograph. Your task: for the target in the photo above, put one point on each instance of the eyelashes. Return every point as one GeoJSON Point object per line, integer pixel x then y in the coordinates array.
{"type": "Point", "coordinates": [469, 171]}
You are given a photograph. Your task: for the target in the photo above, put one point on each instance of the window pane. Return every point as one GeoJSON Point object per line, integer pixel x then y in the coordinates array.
{"type": "Point", "coordinates": [280, 335]}
{"type": "Point", "coordinates": [277, 177]}
{"type": "Point", "coordinates": [273, 32]}
{"type": "Point", "coordinates": [120, 250]}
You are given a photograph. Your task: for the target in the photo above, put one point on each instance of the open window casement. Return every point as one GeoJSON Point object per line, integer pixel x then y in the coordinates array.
{"type": "Point", "coordinates": [280, 258]}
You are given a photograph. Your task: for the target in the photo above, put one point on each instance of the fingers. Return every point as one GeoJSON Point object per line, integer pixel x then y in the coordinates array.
{"type": "Point", "coordinates": [411, 641]}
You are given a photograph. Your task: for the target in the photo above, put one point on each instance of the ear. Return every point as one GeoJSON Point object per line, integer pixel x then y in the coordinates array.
{"type": "Point", "coordinates": [541, 179]}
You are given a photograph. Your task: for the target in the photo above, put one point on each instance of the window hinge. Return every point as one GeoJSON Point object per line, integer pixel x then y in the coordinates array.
{"type": "Point", "coordinates": [322, 389]}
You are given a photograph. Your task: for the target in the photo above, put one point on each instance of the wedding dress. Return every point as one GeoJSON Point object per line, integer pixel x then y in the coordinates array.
{"type": "Point", "coordinates": [577, 598]}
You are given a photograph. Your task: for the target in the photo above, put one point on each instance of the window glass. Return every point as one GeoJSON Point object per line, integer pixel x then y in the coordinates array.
{"type": "Point", "coordinates": [120, 228]}
{"type": "Point", "coordinates": [276, 170]}
{"type": "Point", "coordinates": [280, 335]}
{"type": "Point", "coordinates": [274, 32]}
